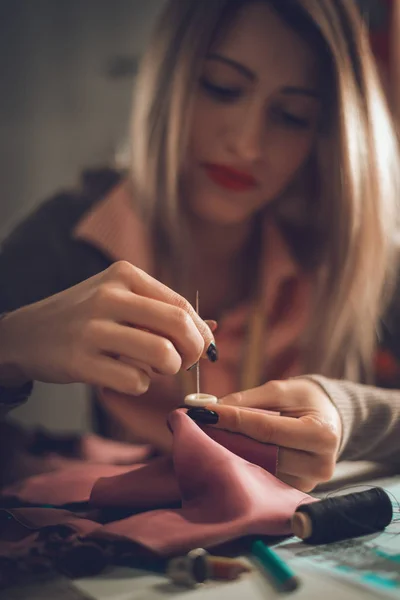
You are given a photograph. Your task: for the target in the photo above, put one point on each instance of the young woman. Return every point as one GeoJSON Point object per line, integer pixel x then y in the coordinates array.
{"type": "Point", "coordinates": [263, 174]}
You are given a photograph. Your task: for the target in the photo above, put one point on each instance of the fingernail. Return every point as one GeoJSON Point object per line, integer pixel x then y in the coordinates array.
{"type": "Point", "coordinates": [192, 367]}
{"type": "Point", "coordinates": [203, 415]}
{"type": "Point", "coordinates": [212, 353]}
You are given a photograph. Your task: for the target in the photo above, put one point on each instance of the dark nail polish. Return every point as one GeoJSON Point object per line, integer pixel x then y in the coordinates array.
{"type": "Point", "coordinates": [212, 353]}
{"type": "Point", "coordinates": [192, 367]}
{"type": "Point", "coordinates": [204, 416]}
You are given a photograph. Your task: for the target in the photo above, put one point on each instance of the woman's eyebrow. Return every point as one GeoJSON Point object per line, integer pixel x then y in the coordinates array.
{"type": "Point", "coordinates": [234, 64]}
{"type": "Point", "coordinates": [251, 76]}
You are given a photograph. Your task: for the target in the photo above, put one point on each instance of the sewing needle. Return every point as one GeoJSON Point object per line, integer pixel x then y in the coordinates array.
{"type": "Point", "coordinates": [197, 399]}
{"type": "Point", "coordinates": [198, 362]}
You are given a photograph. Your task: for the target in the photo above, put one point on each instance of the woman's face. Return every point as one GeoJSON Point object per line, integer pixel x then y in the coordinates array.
{"type": "Point", "coordinates": [255, 118]}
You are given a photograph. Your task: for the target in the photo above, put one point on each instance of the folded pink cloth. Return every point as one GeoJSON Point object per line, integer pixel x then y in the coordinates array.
{"type": "Point", "coordinates": [223, 497]}
{"type": "Point", "coordinates": [219, 496]}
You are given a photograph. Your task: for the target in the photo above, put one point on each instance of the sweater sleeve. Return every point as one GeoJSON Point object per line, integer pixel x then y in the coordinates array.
{"type": "Point", "coordinates": [370, 420]}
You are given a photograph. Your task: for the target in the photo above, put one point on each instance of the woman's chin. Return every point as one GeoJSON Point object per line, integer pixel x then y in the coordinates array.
{"type": "Point", "coordinates": [223, 216]}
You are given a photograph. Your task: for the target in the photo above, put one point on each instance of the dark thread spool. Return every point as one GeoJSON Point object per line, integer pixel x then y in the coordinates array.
{"type": "Point", "coordinates": [343, 517]}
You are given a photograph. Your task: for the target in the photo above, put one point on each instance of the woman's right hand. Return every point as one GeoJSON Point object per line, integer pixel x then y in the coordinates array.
{"type": "Point", "coordinates": [113, 330]}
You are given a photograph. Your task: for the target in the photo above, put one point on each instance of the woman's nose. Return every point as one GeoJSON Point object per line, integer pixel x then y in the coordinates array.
{"type": "Point", "coordinates": [247, 135]}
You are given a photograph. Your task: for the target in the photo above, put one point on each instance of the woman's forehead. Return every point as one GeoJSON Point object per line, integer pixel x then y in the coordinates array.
{"type": "Point", "coordinates": [258, 38]}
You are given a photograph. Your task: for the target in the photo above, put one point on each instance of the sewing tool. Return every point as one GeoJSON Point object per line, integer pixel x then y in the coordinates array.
{"type": "Point", "coordinates": [199, 399]}
{"type": "Point", "coordinates": [198, 566]}
{"type": "Point", "coordinates": [343, 517]}
{"type": "Point", "coordinates": [272, 565]}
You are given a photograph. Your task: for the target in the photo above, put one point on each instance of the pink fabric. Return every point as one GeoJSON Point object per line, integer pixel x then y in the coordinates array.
{"type": "Point", "coordinates": [113, 227]}
{"type": "Point", "coordinates": [220, 497]}
{"type": "Point", "coordinates": [147, 484]}
{"type": "Point", "coordinates": [65, 485]}
{"type": "Point", "coordinates": [264, 456]}
{"type": "Point", "coordinates": [223, 497]}
{"type": "Point", "coordinates": [151, 485]}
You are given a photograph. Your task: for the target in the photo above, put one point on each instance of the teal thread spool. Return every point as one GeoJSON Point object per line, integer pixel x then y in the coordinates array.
{"type": "Point", "coordinates": [277, 570]}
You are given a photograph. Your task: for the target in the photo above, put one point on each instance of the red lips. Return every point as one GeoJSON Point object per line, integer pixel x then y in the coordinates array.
{"type": "Point", "coordinates": [229, 178]}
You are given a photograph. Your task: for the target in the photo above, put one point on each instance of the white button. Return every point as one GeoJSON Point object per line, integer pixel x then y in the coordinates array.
{"type": "Point", "coordinates": [200, 399]}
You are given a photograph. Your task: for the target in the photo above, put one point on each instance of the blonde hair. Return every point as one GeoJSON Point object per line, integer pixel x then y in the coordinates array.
{"type": "Point", "coordinates": [356, 165]}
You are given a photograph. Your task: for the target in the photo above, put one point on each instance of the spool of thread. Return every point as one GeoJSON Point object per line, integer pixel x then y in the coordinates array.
{"type": "Point", "coordinates": [343, 517]}
{"type": "Point", "coordinates": [200, 400]}
{"type": "Point", "coordinates": [189, 570]}
{"type": "Point", "coordinates": [198, 566]}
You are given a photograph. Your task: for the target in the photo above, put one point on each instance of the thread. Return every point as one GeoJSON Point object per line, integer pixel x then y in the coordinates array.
{"type": "Point", "coordinates": [343, 517]}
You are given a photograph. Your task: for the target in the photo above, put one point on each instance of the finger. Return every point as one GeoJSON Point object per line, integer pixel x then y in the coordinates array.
{"type": "Point", "coordinates": [138, 364]}
{"type": "Point", "coordinates": [213, 325]}
{"type": "Point", "coordinates": [105, 372]}
{"type": "Point", "coordinates": [157, 352]}
{"type": "Point", "coordinates": [305, 464]}
{"type": "Point", "coordinates": [141, 283]}
{"type": "Point", "coordinates": [165, 320]}
{"type": "Point", "coordinates": [298, 433]}
{"type": "Point", "coordinates": [304, 485]}
{"type": "Point", "coordinates": [271, 395]}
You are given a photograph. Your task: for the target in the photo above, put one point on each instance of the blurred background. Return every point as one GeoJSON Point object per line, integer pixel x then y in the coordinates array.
{"type": "Point", "coordinates": [67, 73]}
{"type": "Point", "coordinates": [67, 70]}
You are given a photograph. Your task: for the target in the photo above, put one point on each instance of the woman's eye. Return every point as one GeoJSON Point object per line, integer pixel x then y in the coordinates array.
{"type": "Point", "coordinates": [292, 120]}
{"type": "Point", "coordinates": [224, 94]}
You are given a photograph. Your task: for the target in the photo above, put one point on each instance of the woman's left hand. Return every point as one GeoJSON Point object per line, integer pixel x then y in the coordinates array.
{"type": "Point", "coordinates": [307, 431]}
